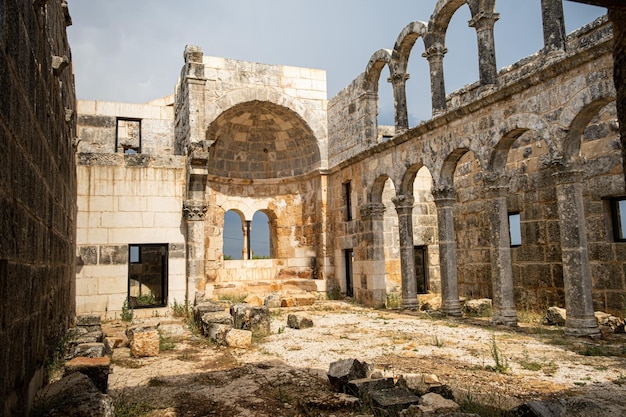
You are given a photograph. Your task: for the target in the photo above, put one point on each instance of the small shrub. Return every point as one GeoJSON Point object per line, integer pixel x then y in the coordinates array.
{"type": "Point", "coordinates": [180, 309]}
{"type": "Point", "coordinates": [437, 342]}
{"type": "Point", "coordinates": [166, 343]}
{"type": "Point", "coordinates": [394, 300]}
{"type": "Point", "coordinates": [233, 298]}
{"type": "Point", "coordinates": [127, 312]}
{"type": "Point", "coordinates": [333, 293]}
{"type": "Point", "coordinates": [501, 364]}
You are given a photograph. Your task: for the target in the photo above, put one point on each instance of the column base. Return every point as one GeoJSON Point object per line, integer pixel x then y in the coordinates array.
{"type": "Point", "coordinates": [451, 307]}
{"type": "Point", "coordinates": [410, 304]}
{"type": "Point", "coordinates": [506, 317]}
{"type": "Point", "coordinates": [582, 327]}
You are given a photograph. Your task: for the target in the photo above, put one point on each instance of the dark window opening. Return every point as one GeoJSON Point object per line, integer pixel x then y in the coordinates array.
{"type": "Point", "coordinates": [147, 275]}
{"type": "Point", "coordinates": [618, 217]}
{"type": "Point", "coordinates": [421, 269]}
{"type": "Point", "coordinates": [515, 229]}
{"type": "Point", "coordinates": [349, 260]}
{"type": "Point", "coordinates": [347, 190]}
{"type": "Point", "coordinates": [128, 136]}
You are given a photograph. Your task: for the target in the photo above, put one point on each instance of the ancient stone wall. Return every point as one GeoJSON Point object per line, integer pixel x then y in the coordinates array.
{"type": "Point", "coordinates": [126, 196]}
{"type": "Point", "coordinates": [37, 194]}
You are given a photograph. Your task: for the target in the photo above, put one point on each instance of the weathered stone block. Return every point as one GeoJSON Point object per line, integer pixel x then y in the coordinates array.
{"type": "Point", "coordinates": [210, 320]}
{"type": "Point", "coordinates": [205, 307]}
{"type": "Point", "coordinates": [363, 386]}
{"type": "Point", "coordinates": [343, 371]}
{"type": "Point", "coordinates": [272, 300]}
{"type": "Point", "coordinates": [394, 399]}
{"type": "Point", "coordinates": [255, 319]}
{"type": "Point", "coordinates": [555, 316]}
{"type": "Point", "coordinates": [90, 350]}
{"type": "Point", "coordinates": [253, 300]}
{"type": "Point", "coordinates": [97, 369]}
{"type": "Point", "coordinates": [218, 332]}
{"type": "Point", "coordinates": [299, 321]}
{"type": "Point", "coordinates": [143, 341]}
{"type": "Point", "coordinates": [239, 338]}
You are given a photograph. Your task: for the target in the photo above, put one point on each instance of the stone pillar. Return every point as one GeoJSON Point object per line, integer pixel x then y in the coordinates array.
{"type": "Point", "coordinates": [434, 54]}
{"type": "Point", "coordinates": [444, 200]}
{"type": "Point", "coordinates": [372, 217]}
{"type": "Point", "coordinates": [193, 213]}
{"type": "Point", "coordinates": [553, 24]}
{"type": "Point", "coordinates": [484, 22]}
{"type": "Point", "coordinates": [504, 311]}
{"type": "Point", "coordinates": [245, 251]}
{"type": "Point", "coordinates": [404, 207]}
{"type": "Point", "coordinates": [370, 123]}
{"type": "Point", "coordinates": [398, 81]}
{"type": "Point", "coordinates": [580, 319]}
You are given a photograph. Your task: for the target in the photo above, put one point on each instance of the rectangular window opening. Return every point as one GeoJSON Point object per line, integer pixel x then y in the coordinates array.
{"type": "Point", "coordinates": [515, 229]}
{"type": "Point", "coordinates": [128, 135]}
{"type": "Point", "coordinates": [618, 217]}
{"type": "Point", "coordinates": [347, 189]}
{"type": "Point", "coordinates": [147, 275]}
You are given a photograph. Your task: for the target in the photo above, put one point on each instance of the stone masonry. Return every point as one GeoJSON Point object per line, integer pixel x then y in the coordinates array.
{"type": "Point", "coordinates": [374, 212]}
{"type": "Point", "coordinates": [37, 194]}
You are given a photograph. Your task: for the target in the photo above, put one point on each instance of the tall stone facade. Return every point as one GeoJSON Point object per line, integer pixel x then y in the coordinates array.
{"type": "Point", "coordinates": [37, 194]}
{"type": "Point", "coordinates": [513, 190]}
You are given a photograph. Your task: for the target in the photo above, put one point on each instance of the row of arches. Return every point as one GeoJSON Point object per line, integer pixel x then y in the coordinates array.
{"type": "Point", "coordinates": [247, 239]}
{"type": "Point", "coordinates": [433, 46]}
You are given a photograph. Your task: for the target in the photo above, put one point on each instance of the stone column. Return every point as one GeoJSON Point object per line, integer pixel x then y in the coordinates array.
{"type": "Point", "coordinates": [398, 81]}
{"type": "Point", "coordinates": [404, 207]}
{"type": "Point", "coordinates": [580, 319]}
{"type": "Point", "coordinates": [372, 217]}
{"type": "Point", "coordinates": [444, 200]}
{"type": "Point", "coordinates": [553, 24]}
{"type": "Point", "coordinates": [194, 212]}
{"type": "Point", "coordinates": [245, 251]}
{"type": "Point", "coordinates": [484, 22]}
{"type": "Point", "coordinates": [434, 54]}
{"type": "Point", "coordinates": [504, 311]}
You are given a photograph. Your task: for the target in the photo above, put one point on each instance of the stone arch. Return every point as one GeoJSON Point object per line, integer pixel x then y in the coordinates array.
{"type": "Point", "coordinates": [398, 70]}
{"type": "Point", "coordinates": [573, 139]}
{"type": "Point", "coordinates": [406, 186]}
{"type": "Point", "coordinates": [378, 186]}
{"type": "Point", "coordinates": [261, 140]}
{"type": "Point", "coordinates": [375, 65]}
{"type": "Point", "coordinates": [240, 246]}
{"type": "Point", "coordinates": [271, 233]}
{"type": "Point", "coordinates": [271, 95]}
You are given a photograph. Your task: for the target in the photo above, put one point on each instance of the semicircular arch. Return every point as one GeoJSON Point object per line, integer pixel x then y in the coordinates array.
{"type": "Point", "coordinates": [375, 65]}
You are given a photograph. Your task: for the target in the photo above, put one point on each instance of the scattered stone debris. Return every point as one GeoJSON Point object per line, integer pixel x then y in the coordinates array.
{"type": "Point", "coordinates": [144, 341]}
{"type": "Point", "coordinates": [299, 321]}
{"type": "Point", "coordinates": [555, 316]}
{"type": "Point", "coordinates": [477, 308]}
{"type": "Point", "coordinates": [253, 318]}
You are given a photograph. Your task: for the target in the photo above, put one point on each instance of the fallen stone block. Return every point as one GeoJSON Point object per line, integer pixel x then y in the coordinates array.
{"type": "Point", "coordinates": [74, 395]}
{"type": "Point", "coordinates": [394, 399]}
{"type": "Point", "coordinates": [90, 337]}
{"type": "Point", "coordinates": [478, 308]}
{"type": "Point", "coordinates": [239, 338]}
{"type": "Point", "coordinates": [90, 350]}
{"type": "Point", "coordinates": [255, 319]}
{"type": "Point", "coordinates": [555, 316]}
{"type": "Point", "coordinates": [143, 341]}
{"type": "Point", "coordinates": [304, 299]}
{"type": "Point", "coordinates": [203, 308]}
{"type": "Point", "coordinates": [609, 321]}
{"type": "Point", "coordinates": [287, 302]}
{"type": "Point", "coordinates": [272, 300]}
{"type": "Point", "coordinates": [299, 321]}
{"type": "Point", "coordinates": [97, 369]}
{"type": "Point", "coordinates": [343, 371]}
{"type": "Point", "coordinates": [84, 320]}
{"type": "Point", "coordinates": [362, 387]}
{"type": "Point", "coordinates": [218, 332]}
{"type": "Point", "coordinates": [209, 320]}
{"type": "Point", "coordinates": [253, 300]}
{"type": "Point", "coordinates": [436, 404]}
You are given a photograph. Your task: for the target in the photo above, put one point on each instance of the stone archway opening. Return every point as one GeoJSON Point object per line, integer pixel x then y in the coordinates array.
{"type": "Point", "coordinates": [259, 140]}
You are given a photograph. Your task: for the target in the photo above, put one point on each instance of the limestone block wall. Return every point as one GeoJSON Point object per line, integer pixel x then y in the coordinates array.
{"type": "Point", "coordinates": [37, 194]}
{"type": "Point", "coordinates": [97, 126]}
{"type": "Point", "coordinates": [126, 198]}
{"type": "Point", "coordinates": [132, 201]}
{"type": "Point", "coordinates": [293, 209]}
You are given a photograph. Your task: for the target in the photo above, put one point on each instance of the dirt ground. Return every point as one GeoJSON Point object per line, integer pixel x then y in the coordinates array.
{"type": "Point", "coordinates": [488, 369]}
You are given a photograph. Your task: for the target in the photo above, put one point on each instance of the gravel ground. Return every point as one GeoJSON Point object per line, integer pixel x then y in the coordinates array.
{"type": "Point", "coordinates": [285, 372]}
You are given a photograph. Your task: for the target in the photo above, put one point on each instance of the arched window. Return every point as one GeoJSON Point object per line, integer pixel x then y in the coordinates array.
{"type": "Point", "coordinates": [260, 236]}
{"type": "Point", "coordinates": [233, 236]}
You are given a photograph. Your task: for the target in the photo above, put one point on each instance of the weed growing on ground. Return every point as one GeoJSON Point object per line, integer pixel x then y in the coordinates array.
{"type": "Point", "coordinates": [182, 310]}
{"type": "Point", "coordinates": [233, 298]}
{"type": "Point", "coordinates": [501, 364]}
{"type": "Point", "coordinates": [166, 343]}
{"type": "Point", "coordinates": [394, 301]}
{"type": "Point", "coordinates": [129, 407]}
{"type": "Point", "coordinates": [437, 342]}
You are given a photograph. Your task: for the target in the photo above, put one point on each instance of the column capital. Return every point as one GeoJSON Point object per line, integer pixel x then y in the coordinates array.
{"type": "Point", "coordinates": [372, 211]}
{"type": "Point", "coordinates": [567, 175]}
{"type": "Point", "coordinates": [398, 78]}
{"type": "Point", "coordinates": [435, 50]}
{"type": "Point", "coordinates": [495, 185]}
{"type": "Point", "coordinates": [403, 202]}
{"type": "Point", "coordinates": [194, 210]}
{"type": "Point", "coordinates": [443, 193]}
{"type": "Point", "coordinates": [484, 20]}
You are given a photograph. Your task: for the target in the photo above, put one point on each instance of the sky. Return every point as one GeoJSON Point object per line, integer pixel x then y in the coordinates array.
{"type": "Point", "coordinates": [132, 50]}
